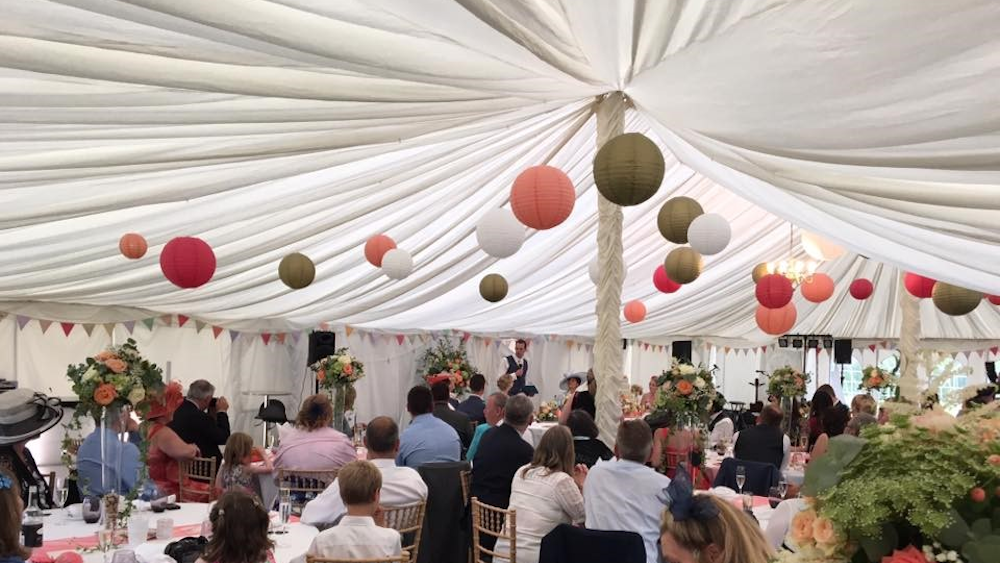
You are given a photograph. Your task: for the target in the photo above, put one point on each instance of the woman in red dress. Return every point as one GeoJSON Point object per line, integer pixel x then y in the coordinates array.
{"type": "Point", "coordinates": [166, 448]}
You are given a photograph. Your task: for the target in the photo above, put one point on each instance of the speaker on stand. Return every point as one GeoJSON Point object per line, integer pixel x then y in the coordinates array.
{"type": "Point", "coordinates": [321, 345]}
{"type": "Point", "coordinates": [843, 353]}
{"type": "Point", "coordinates": [681, 350]}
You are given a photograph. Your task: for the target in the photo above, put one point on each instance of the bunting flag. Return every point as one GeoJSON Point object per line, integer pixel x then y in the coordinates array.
{"type": "Point", "coordinates": [149, 323]}
{"type": "Point", "coordinates": [579, 346]}
{"type": "Point", "coordinates": [266, 337]}
{"type": "Point", "coordinates": [569, 344]}
{"type": "Point", "coordinates": [871, 347]}
{"type": "Point", "coordinates": [109, 328]}
{"type": "Point", "coordinates": [167, 319]}
{"type": "Point", "coordinates": [349, 330]}
{"type": "Point", "coordinates": [763, 348]}
{"type": "Point", "coordinates": [993, 349]}
{"type": "Point", "coordinates": [198, 326]}
{"type": "Point", "coordinates": [884, 344]}
{"type": "Point", "coordinates": [88, 328]}
{"type": "Point", "coordinates": [400, 339]}
{"type": "Point", "coordinates": [488, 341]}
{"type": "Point", "coordinates": [466, 336]}
{"type": "Point", "coordinates": [324, 326]}
{"type": "Point", "coordinates": [281, 337]}
{"type": "Point", "coordinates": [22, 321]}
{"type": "Point", "coordinates": [67, 328]}
{"type": "Point", "coordinates": [129, 326]}
{"type": "Point", "coordinates": [45, 325]}
{"type": "Point", "coordinates": [181, 319]}
{"type": "Point", "coordinates": [726, 349]}
{"type": "Point", "coordinates": [233, 335]}
{"type": "Point", "coordinates": [295, 336]}
{"type": "Point", "coordinates": [216, 330]}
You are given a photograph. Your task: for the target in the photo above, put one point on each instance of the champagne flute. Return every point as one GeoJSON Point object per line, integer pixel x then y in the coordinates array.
{"type": "Point", "coordinates": [741, 477]}
{"type": "Point", "coordinates": [105, 540]}
{"type": "Point", "coordinates": [61, 492]}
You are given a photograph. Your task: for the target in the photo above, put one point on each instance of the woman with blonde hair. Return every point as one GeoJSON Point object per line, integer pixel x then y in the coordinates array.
{"type": "Point", "coordinates": [312, 444]}
{"type": "Point", "coordinates": [545, 493]}
{"type": "Point", "coordinates": [706, 529]}
{"type": "Point", "coordinates": [863, 404]}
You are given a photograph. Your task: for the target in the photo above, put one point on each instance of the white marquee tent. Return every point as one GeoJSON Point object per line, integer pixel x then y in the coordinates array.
{"type": "Point", "coordinates": [273, 126]}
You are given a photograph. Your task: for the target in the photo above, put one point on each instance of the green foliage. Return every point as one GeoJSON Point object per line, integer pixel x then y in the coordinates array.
{"type": "Point", "coordinates": [687, 393]}
{"type": "Point", "coordinates": [824, 473]}
{"type": "Point", "coordinates": [787, 382]}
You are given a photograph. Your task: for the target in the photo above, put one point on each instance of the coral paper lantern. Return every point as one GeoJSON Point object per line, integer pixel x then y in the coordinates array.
{"type": "Point", "coordinates": [376, 247]}
{"type": "Point", "coordinates": [955, 301]}
{"type": "Point", "coordinates": [776, 321]}
{"type": "Point", "coordinates": [493, 287]}
{"type": "Point", "coordinates": [662, 281]}
{"type": "Point", "coordinates": [759, 271]}
{"type": "Point", "coordinates": [994, 299]}
{"type": "Point", "coordinates": [132, 246]}
{"type": "Point", "coordinates": [709, 233]}
{"type": "Point", "coordinates": [683, 265]}
{"type": "Point", "coordinates": [296, 270]}
{"type": "Point", "coordinates": [635, 311]}
{"type": "Point", "coordinates": [542, 197]}
{"type": "Point", "coordinates": [676, 216]}
{"type": "Point", "coordinates": [499, 233]}
{"type": "Point", "coordinates": [187, 262]}
{"type": "Point", "coordinates": [774, 291]}
{"type": "Point", "coordinates": [861, 289]}
{"type": "Point", "coordinates": [918, 286]}
{"type": "Point", "coordinates": [817, 289]}
{"type": "Point", "coordinates": [397, 264]}
{"type": "Point", "coordinates": [819, 248]}
{"type": "Point", "coordinates": [628, 169]}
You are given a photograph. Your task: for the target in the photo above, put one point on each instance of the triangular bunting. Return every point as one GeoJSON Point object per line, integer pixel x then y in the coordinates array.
{"type": "Point", "coordinates": [67, 328]}
{"type": "Point", "coordinates": [233, 335]}
{"type": "Point", "coordinates": [466, 336]}
{"type": "Point", "coordinates": [88, 328]}
{"type": "Point", "coordinates": [217, 330]}
{"type": "Point", "coordinates": [109, 328]}
{"type": "Point", "coordinates": [349, 330]}
{"type": "Point", "coordinates": [295, 336]}
{"type": "Point", "coordinates": [198, 326]}
{"type": "Point", "coordinates": [400, 339]}
{"type": "Point", "coordinates": [266, 337]}
{"type": "Point", "coordinates": [993, 349]}
{"type": "Point", "coordinates": [149, 322]}
{"type": "Point", "coordinates": [45, 325]}
{"type": "Point", "coordinates": [129, 326]}
{"type": "Point", "coordinates": [281, 337]}
{"type": "Point", "coordinates": [167, 319]}
{"type": "Point", "coordinates": [645, 345]}
{"type": "Point", "coordinates": [569, 344]}
{"type": "Point", "coordinates": [726, 349]}
{"type": "Point", "coordinates": [181, 319]}
{"type": "Point", "coordinates": [871, 347]}
{"type": "Point", "coordinates": [22, 321]}
{"type": "Point", "coordinates": [579, 345]}
{"type": "Point", "coordinates": [884, 344]}
{"type": "Point", "coordinates": [488, 341]}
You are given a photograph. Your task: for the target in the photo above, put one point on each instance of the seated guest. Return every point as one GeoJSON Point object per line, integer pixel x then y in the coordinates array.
{"type": "Point", "coordinates": [493, 412]}
{"type": "Point", "coordinates": [473, 406]}
{"type": "Point", "coordinates": [237, 472]}
{"type": "Point", "coordinates": [588, 449]}
{"type": "Point", "coordinates": [166, 449]}
{"type": "Point", "coordinates": [648, 401]}
{"type": "Point", "coordinates": [442, 410]}
{"type": "Point", "coordinates": [427, 439]}
{"type": "Point", "coordinates": [764, 443]}
{"type": "Point", "coordinates": [571, 382]}
{"type": "Point", "coordinates": [98, 479]}
{"type": "Point", "coordinates": [820, 402]}
{"type": "Point", "coordinates": [858, 422]}
{"type": "Point", "coordinates": [864, 404]}
{"type": "Point", "coordinates": [11, 509]}
{"type": "Point", "coordinates": [312, 444]}
{"type": "Point", "coordinates": [501, 452]}
{"type": "Point", "coordinates": [505, 382]}
{"type": "Point", "coordinates": [635, 507]}
{"type": "Point", "coordinates": [202, 420]}
{"type": "Point", "coordinates": [835, 422]}
{"type": "Point", "coordinates": [401, 486]}
{"type": "Point", "coordinates": [24, 416]}
{"type": "Point", "coordinates": [673, 446]}
{"type": "Point", "coordinates": [358, 536]}
{"type": "Point", "coordinates": [239, 531]}
{"type": "Point", "coordinates": [719, 423]}
{"type": "Point", "coordinates": [581, 400]}
{"type": "Point", "coordinates": [545, 493]}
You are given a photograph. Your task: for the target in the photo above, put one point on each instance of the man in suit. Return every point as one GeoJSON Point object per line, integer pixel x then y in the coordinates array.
{"type": "Point", "coordinates": [517, 366]}
{"type": "Point", "coordinates": [501, 452]}
{"type": "Point", "coordinates": [455, 419]}
{"type": "Point", "coordinates": [202, 420]}
{"type": "Point", "coordinates": [473, 406]}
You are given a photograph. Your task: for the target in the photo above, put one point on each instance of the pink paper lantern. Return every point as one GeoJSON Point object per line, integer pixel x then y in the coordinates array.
{"type": "Point", "coordinates": [542, 197]}
{"type": "Point", "coordinates": [776, 321]}
{"type": "Point", "coordinates": [635, 311]}
{"type": "Point", "coordinates": [994, 299]}
{"type": "Point", "coordinates": [818, 289]}
{"type": "Point", "coordinates": [918, 286]}
{"type": "Point", "coordinates": [861, 289]}
{"type": "Point", "coordinates": [376, 247]}
{"type": "Point", "coordinates": [662, 281]}
{"type": "Point", "coordinates": [188, 262]}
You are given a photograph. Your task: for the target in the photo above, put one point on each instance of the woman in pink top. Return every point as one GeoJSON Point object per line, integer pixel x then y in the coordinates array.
{"type": "Point", "coordinates": [312, 444]}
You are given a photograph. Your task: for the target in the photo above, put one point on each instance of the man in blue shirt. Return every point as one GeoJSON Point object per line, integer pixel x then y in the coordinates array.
{"type": "Point", "coordinates": [117, 477]}
{"type": "Point", "coordinates": [427, 439]}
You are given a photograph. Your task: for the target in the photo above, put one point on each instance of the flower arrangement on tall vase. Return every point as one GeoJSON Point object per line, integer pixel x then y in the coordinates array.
{"type": "Point", "coordinates": [788, 385]}
{"type": "Point", "coordinates": [335, 374]}
{"type": "Point", "coordinates": [445, 358]}
{"type": "Point", "coordinates": [685, 395]}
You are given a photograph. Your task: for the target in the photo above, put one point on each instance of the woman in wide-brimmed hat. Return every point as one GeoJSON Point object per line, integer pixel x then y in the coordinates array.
{"type": "Point", "coordinates": [166, 449]}
{"type": "Point", "coordinates": [25, 415]}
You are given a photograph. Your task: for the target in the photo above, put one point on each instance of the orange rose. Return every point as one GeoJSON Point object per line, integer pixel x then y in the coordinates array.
{"type": "Point", "coordinates": [875, 381]}
{"type": "Point", "coordinates": [348, 369]}
{"type": "Point", "coordinates": [908, 555]}
{"type": "Point", "coordinates": [321, 376]}
{"type": "Point", "coordinates": [823, 531]}
{"type": "Point", "coordinates": [994, 459]}
{"type": "Point", "coordinates": [105, 355]}
{"type": "Point", "coordinates": [684, 387]}
{"type": "Point", "coordinates": [802, 527]}
{"type": "Point", "coordinates": [115, 365]}
{"type": "Point", "coordinates": [105, 394]}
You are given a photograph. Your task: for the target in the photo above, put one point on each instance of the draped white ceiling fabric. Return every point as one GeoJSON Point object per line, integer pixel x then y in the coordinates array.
{"type": "Point", "coordinates": [272, 126]}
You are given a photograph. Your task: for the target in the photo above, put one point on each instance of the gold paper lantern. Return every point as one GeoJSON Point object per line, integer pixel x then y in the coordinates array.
{"type": "Point", "coordinates": [297, 270]}
{"type": "Point", "coordinates": [493, 287]}
{"type": "Point", "coordinates": [628, 169]}
{"type": "Point", "coordinates": [675, 217]}
{"type": "Point", "coordinates": [759, 271]}
{"type": "Point", "coordinates": [953, 300]}
{"type": "Point", "coordinates": [683, 265]}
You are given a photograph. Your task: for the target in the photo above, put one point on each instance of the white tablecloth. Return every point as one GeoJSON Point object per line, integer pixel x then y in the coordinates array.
{"type": "Point", "coordinates": [537, 430]}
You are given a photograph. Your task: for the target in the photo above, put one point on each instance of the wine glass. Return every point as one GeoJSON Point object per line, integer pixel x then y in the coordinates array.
{"type": "Point", "coordinates": [61, 492]}
{"type": "Point", "coordinates": [774, 496]}
{"type": "Point", "coordinates": [741, 477]}
{"type": "Point", "coordinates": [105, 541]}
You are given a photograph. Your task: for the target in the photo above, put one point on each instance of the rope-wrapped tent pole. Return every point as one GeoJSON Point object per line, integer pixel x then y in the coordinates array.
{"type": "Point", "coordinates": [607, 343]}
{"type": "Point", "coordinates": [909, 344]}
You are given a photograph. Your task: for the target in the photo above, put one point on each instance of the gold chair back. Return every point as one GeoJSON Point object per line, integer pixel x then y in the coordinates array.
{"type": "Point", "coordinates": [495, 522]}
{"type": "Point", "coordinates": [409, 522]}
{"type": "Point", "coordinates": [197, 479]}
{"type": "Point", "coordinates": [403, 558]}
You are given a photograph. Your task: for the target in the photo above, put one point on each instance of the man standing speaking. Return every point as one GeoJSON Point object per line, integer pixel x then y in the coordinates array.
{"type": "Point", "coordinates": [517, 366]}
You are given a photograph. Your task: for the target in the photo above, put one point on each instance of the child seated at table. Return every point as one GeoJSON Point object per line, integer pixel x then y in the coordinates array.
{"type": "Point", "coordinates": [239, 531]}
{"type": "Point", "coordinates": [358, 536]}
{"type": "Point", "coordinates": [11, 550]}
{"type": "Point", "coordinates": [238, 472]}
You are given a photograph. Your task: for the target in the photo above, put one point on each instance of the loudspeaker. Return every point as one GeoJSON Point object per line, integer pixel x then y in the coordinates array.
{"type": "Point", "coordinates": [991, 372]}
{"type": "Point", "coordinates": [321, 345]}
{"type": "Point", "coordinates": [682, 350]}
{"type": "Point", "coordinates": [843, 352]}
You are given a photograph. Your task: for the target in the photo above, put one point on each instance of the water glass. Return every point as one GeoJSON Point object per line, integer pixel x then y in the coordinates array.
{"type": "Point", "coordinates": [774, 496]}
{"type": "Point", "coordinates": [138, 530]}
{"type": "Point", "coordinates": [91, 509]}
{"type": "Point", "coordinates": [284, 507]}
{"type": "Point", "coordinates": [123, 556]}
{"type": "Point", "coordinates": [783, 487]}
{"type": "Point", "coordinates": [164, 528]}
{"type": "Point", "coordinates": [61, 492]}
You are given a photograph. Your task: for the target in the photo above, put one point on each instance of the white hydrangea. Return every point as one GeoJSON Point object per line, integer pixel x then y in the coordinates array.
{"type": "Point", "coordinates": [344, 359]}
{"type": "Point", "coordinates": [686, 369]}
{"type": "Point", "coordinates": [699, 383]}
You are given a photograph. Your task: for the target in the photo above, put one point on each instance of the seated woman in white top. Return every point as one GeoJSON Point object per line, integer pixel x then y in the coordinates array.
{"type": "Point", "coordinates": [545, 493]}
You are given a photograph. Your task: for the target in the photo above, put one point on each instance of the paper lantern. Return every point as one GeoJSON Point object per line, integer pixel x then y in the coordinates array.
{"type": "Point", "coordinates": [635, 311]}
{"type": "Point", "coordinates": [709, 233]}
{"type": "Point", "coordinates": [296, 270]}
{"type": "Point", "coordinates": [662, 281]}
{"type": "Point", "coordinates": [955, 301]}
{"type": "Point", "coordinates": [774, 291]}
{"type": "Point", "coordinates": [994, 299]}
{"type": "Point", "coordinates": [132, 246]}
{"type": "Point", "coordinates": [499, 233]}
{"type": "Point", "coordinates": [918, 286]}
{"type": "Point", "coordinates": [776, 321]}
{"type": "Point", "coordinates": [493, 287]}
{"type": "Point", "coordinates": [376, 247]}
{"type": "Point", "coordinates": [397, 263]}
{"type": "Point", "coordinates": [683, 265]}
{"type": "Point", "coordinates": [759, 271]}
{"type": "Point", "coordinates": [542, 197]}
{"type": "Point", "coordinates": [594, 271]}
{"type": "Point", "coordinates": [819, 248]}
{"type": "Point", "coordinates": [628, 169]}
{"type": "Point", "coordinates": [187, 262]}
{"type": "Point", "coordinates": [817, 289]}
{"type": "Point", "coordinates": [861, 289]}
{"type": "Point", "coordinates": [676, 216]}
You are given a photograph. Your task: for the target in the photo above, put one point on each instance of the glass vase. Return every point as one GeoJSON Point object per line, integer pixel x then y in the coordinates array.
{"type": "Point", "coordinates": [788, 407]}
{"type": "Point", "coordinates": [338, 397]}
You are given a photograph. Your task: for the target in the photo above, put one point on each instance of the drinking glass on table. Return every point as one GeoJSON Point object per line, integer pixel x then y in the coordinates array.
{"type": "Point", "coordinates": [783, 487]}
{"type": "Point", "coordinates": [105, 541]}
{"type": "Point", "coordinates": [775, 495]}
{"type": "Point", "coordinates": [741, 477]}
{"type": "Point", "coordinates": [61, 492]}
{"type": "Point", "coordinates": [284, 507]}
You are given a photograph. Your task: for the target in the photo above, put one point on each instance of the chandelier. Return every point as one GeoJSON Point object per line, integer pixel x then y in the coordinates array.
{"type": "Point", "coordinates": [797, 271]}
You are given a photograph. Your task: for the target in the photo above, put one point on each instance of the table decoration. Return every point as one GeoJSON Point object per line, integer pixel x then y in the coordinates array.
{"type": "Point", "coordinates": [684, 399]}
{"type": "Point", "coordinates": [335, 374]}
{"type": "Point", "coordinates": [548, 412]}
{"type": "Point", "coordinates": [445, 358]}
{"type": "Point", "coordinates": [788, 385]}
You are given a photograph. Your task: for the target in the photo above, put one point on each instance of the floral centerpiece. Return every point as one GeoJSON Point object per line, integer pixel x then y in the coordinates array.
{"type": "Point", "coordinates": [687, 392]}
{"type": "Point", "coordinates": [630, 405]}
{"type": "Point", "coordinates": [787, 382]}
{"type": "Point", "coordinates": [444, 358]}
{"type": "Point", "coordinates": [548, 412]}
{"type": "Point", "coordinates": [335, 373]}
{"type": "Point", "coordinates": [874, 378]}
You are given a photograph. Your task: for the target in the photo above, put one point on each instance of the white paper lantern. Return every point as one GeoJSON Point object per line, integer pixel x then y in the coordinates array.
{"type": "Point", "coordinates": [397, 263]}
{"type": "Point", "coordinates": [819, 248]}
{"type": "Point", "coordinates": [594, 269]}
{"type": "Point", "coordinates": [709, 233]}
{"type": "Point", "coordinates": [499, 233]}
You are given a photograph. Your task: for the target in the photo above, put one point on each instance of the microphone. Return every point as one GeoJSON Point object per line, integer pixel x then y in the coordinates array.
{"type": "Point", "coordinates": [761, 372]}
{"type": "Point", "coordinates": [715, 368]}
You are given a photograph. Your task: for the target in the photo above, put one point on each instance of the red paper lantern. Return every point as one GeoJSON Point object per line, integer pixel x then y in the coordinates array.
{"type": "Point", "coordinates": [994, 299]}
{"type": "Point", "coordinates": [918, 286]}
{"type": "Point", "coordinates": [187, 262]}
{"type": "Point", "coordinates": [376, 247]}
{"type": "Point", "coordinates": [132, 246]}
{"type": "Point", "coordinates": [542, 197]}
{"type": "Point", "coordinates": [774, 291]}
{"type": "Point", "coordinates": [818, 289]}
{"type": "Point", "coordinates": [776, 321]}
{"type": "Point", "coordinates": [635, 311]}
{"type": "Point", "coordinates": [861, 289]}
{"type": "Point", "coordinates": [663, 282]}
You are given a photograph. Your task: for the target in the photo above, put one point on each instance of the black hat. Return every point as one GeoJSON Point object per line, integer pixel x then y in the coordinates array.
{"type": "Point", "coordinates": [273, 412]}
{"type": "Point", "coordinates": [25, 414]}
